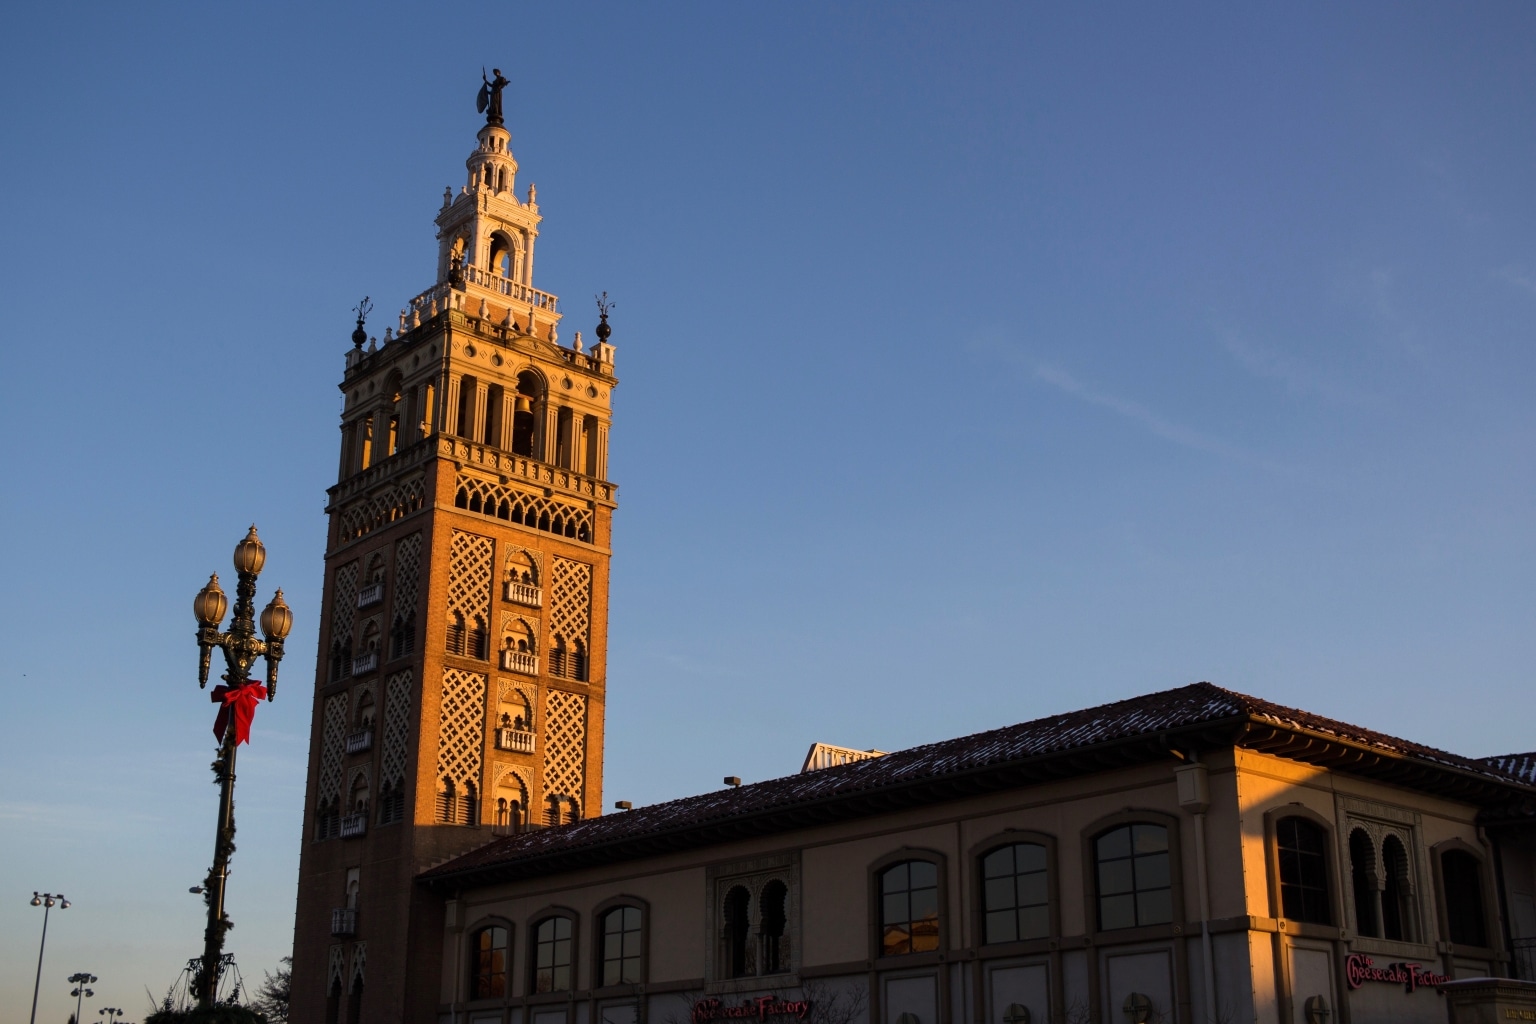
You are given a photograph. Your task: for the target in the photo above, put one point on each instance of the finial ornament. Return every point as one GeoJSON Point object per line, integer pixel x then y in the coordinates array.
{"type": "Point", "coordinates": [362, 309]}
{"type": "Point", "coordinates": [488, 102]}
{"type": "Point", "coordinates": [604, 307]}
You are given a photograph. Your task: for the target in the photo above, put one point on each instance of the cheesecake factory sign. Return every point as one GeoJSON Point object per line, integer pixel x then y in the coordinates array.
{"type": "Point", "coordinates": [760, 1009]}
{"type": "Point", "coordinates": [1359, 969]}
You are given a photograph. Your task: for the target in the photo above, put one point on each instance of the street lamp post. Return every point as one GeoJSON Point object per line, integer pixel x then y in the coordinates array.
{"type": "Point", "coordinates": [80, 992]}
{"type": "Point", "coordinates": [109, 1012]}
{"type": "Point", "coordinates": [46, 900]}
{"type": "Point", "coordinates": [238, 698]}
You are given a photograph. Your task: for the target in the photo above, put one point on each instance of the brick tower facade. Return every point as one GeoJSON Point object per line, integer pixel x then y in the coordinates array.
{"type": "Point", "coordinates": [459, 689]}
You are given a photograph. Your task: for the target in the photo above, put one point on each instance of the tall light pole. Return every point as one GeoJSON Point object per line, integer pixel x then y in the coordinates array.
{"type": "Point", "coordinates": [80, 992]}
{"type": "Point", "coordinates": [110, 1012]}
{"type": "Point", "coordinates": [46, 900]}
{"type": "Point", "coordinates": [238, 699]}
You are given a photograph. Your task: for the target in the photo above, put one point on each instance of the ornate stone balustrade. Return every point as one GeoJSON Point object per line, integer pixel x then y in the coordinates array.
{"type": "Point", "coordinates": [506, 464]}
{"type": "Point", "coordinates": [520, 661]}
{"type": "Point", "coordinates": [381, 472]}
{"type": "Point", "coordinates": [511, 289]}
{"type": "Point", "coordinates": [523, 593]}
{"type": "Point", "coordinates": [353, 825]}
{"type": "Point", "coordinates": [360, 741]}
{"type": "Point", "coordinates": [343, 922]}
{"type": "Point", "coordinates": [515, 741]}
{"type": "Point", "coordinates": [370, 595]}
{"type": "Point", "coordinates": [365, 662]}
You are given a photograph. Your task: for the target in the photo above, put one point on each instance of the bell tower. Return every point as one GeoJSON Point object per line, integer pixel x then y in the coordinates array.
{"type": "Point", "coordinates": [459, 689]}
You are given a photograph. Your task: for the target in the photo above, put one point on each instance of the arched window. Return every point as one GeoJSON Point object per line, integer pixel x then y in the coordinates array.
{"type": "Point", "coordinates": [1134, 877]}
{"type": "Point", "coordinates": [1015, 896]}
{"type": "Point", "coordinates": [552, 955]}
{"type": "Point", "coordinates": [402, 635]}
{"type": "Point", "coordinates": [737, 927]}
{"type": "Point", "coordinates": [391, 802]}
{"type": "Point", "coordinates": [909, 908]}
{"type": "Point", "coordinates": [471, 806]}
{"type": "Point", "coordinates": [772, 915]}
{"type": "Point", "coordinates": [1302, 847]}
{"type": "Point", "coordinates": [488, 970]}
{"type": "Point", "coordinates": [1462, 878]}
{"type": "Point", "coordinates": [528, 391]}
{"type": "Point", "coordinates": [447, 802]}
{"type": "Point", "coordinates": [458, 634]}
{"type": "Point", "coordinates": [479, 639]}
{"type": "Point", "coordinates": [621, 946]}
{"type": "Point", "coordinates": [1362, 878]}
{"type": "Point", "coordinates": [355, 1001]}
{"type": "Point", "coordinates": [1397, 887]}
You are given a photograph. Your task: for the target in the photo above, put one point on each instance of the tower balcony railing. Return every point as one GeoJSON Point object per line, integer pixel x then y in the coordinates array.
{"type": "Point", "coordinates": [524, 593]}
{"type": "Point", "coordinates": [515, 290]}
{"type": "Point", "coordinates": [505, 463]}
{"type": "Point", "coordinates": [442, 296]}
{"type": "Point", "coordinates": [520, 661]}
{"type": "Point", "coordinates": [353, 825]}
{"type": "Point", "coordinates": [344, 922]}
{"type": "Point", "coordinates": [515, 740]}
{"type": "Point", "coordinates": [360, 741]}
{"type": "Point", "coordinates": [370, 595]}
{"type": "Point", "coordinates": [365, 662]}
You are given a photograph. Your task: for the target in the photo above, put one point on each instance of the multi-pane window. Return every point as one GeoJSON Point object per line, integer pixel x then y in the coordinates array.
{"type": "Point", "coordinates": [1134, 879]}
{"type": "Point", "coordinates": [488, 978]}
{"type": "Point", "coordinates": [552, 955]}
{"type": "Point", "coordinates": [1463, 878]}
{"type": "Point", "coordinates": [909, 908]}
{"type": "Point", "coordinates": [621, 946]}
{"type": "Point", "coordinates": [1303, 852]}
{"type": "Point", "coordinates": [1015, 897]}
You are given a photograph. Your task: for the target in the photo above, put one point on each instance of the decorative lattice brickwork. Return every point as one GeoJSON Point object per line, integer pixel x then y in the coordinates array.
{"type": "Point", "coordinates": [515, 506]}
{"type": "Point", "coordinates": [344, 604]}
{"type": "Point", "coordinates": [565, 743]}
{"type": "Point", "coordinates": [332, 747]}
{"type": "Point", "coordinates": [461, 732]}
{"type": "Point", "coordinates": [407, 576]}
{"type": "Point", "coordinates": [570, 612]}
{"type": "Point", "coordinates": [382, 508]}
{"type": "Point", "coordinates": [397, 728]}
{"type": "Point", "coordinates": [469, 577]}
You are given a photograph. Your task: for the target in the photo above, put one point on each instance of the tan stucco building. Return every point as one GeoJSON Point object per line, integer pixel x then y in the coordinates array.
{"type": "Point", "coordinates": [1190, 855]}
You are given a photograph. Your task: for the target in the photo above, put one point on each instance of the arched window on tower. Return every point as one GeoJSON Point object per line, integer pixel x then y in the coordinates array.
{"type": "Point", "coordinates": [479, 639]}
{"type": "Point", "coordinates": [470, 809]}
{"type": "Point", "coordinates": [402, 635]}
{"type": "Point", "coordinates": [458, 634]}
{"type": "Point", "coordinates": [523, 417]}
{"type": "Point", "coordinates": [447, 800]}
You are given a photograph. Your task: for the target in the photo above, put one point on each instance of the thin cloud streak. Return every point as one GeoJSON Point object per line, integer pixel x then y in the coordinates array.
{"type": "Point", "coordinates": [1137, 413]}
{"type": "Point", "coordinates": [1265, 362]}
{"type": "Point", "coordinates": [1519, 277]}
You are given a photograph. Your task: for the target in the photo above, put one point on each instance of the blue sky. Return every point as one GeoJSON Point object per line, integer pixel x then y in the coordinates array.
{"type": "Point", "coordinates": [978, 362]}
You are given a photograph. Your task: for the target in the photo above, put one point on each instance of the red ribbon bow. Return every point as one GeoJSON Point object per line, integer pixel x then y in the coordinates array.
{"type": "Point", "coordinates": [242, 701]}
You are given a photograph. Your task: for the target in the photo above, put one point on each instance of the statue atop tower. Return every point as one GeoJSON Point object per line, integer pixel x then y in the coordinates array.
{"type": "Point", "coordinates": [489, 100]}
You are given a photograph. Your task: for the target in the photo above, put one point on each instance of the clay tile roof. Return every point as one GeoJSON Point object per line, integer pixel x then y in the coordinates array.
{"type": "Point", "coordinates": [1521, 766]}
{"type": "Point", "coordinates": [1125, 732]}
